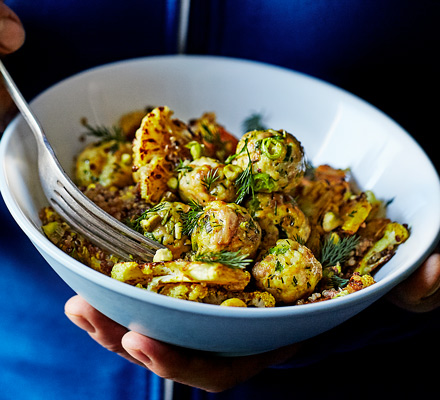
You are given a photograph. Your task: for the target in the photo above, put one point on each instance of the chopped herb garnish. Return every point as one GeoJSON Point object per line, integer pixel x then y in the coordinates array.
{"type": "Point", "coordinates": [245, 181]}
{"type": "Point", "coordinates": [104, 133]}
{"type": "Point", "coordinates": [337, 251]}
{"type": "Point", "coordinates": [209, 135]}
{"type": "Point", "coordinates": [338, 282]}
{"type": "Point", "coordinates": [299, 239]}
{"type": "Point", "coordinates": [280, 249]}
{"type": "Point", "coordinates": [231, 259]}
{"type": "Point", "coordinates": [254, 123]}
{"type": "Point", "coordinates": [210, 178]}
{"type": "Point", "coordinates": [278, 266]}
{"type": "Point", "coordinates": [272, 147]}
{"type": "Point", "coordinates": [387, 203]}
{"type": "Point", "coordinates": [183, 167]}
{"type": "Point", "coordinates": [264, 182]}
{"type": "Point", "coordinates": [135, 224]}
{"type": "Point", "coordinates": [190, 219]}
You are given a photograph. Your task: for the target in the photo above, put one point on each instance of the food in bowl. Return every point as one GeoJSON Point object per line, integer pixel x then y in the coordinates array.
{"type": "Point", "coordinates": [244, 222]}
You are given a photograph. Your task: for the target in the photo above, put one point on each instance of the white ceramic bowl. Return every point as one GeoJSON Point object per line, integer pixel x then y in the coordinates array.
{"type": "Point", "coordinates": [334, 126]}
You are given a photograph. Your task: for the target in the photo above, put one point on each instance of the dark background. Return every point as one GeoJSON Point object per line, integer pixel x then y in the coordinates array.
{"type": "Point", "coordinates": [384, 51]}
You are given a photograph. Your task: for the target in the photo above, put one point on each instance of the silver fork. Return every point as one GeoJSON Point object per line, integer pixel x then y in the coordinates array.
{"type": "Point", "coordinates": [71, 204]}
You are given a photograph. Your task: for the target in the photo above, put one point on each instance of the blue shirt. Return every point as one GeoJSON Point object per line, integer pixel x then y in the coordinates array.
{"type": "Point", "coordinates": [381, 50]}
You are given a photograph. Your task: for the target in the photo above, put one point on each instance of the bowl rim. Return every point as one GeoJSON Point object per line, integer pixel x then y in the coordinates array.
{"type": "Point", "coordinates": [40, 241]}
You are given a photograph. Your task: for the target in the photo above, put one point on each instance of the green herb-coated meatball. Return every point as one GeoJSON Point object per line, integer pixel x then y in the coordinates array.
{"type": "Point", "coordinates": [226, 227]}
{"type": "Point", "coordinates": [279, 218]}
{"type": "Point", "coordinates": [289, 271]}
{"type": "Point", "coordinates": [277, 158]}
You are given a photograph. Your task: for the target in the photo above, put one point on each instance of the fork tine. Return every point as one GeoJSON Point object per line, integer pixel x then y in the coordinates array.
{"type": "Point", "coordinates": [102, 236]}
{"type": "Point", "coordinates": [101, 228]}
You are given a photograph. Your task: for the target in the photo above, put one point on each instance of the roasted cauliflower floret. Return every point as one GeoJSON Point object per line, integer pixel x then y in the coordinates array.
{"type": "Point", "coordinates": [226, 227]}
{"type": "Point", "coordinates": [205, 180]}
{"type": "Point", "coordinates": [155, 275]}
{"type": "Point", "coordinates": [159, 145]}
{"type": "Point", "coordinates": [108, 163]}
{"type": "Point", "coordinates": [279, 218]}
{"type": "Point", "coordinates": [163, 223]}
{"type": "Point", "coordinates": [258, 299]}
{"type": "Point", "coordinates": [74, 244]}
{"type": "Point", "coordinates": [289, 271]}
{"type": "Point", "coordinates": [185, 291]}
{"type": "Point", "coordinates": [277, 157]}
{"type": "Point", "coordinates": [356, 283]}
{"type": "Point", "coordinates": [321, 192]}
{"type": "Point", "coordinates": [394, 235]}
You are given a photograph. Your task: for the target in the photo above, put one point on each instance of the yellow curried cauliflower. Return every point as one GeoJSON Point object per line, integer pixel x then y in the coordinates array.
{"type": "Point", "coordinates": [394, 235]}
{"type": "Point", "coordinates": [157, 148]}
{"type": "Point", "coordinates": [108, 163]}
{"type": "Point", "coordinates": [259, 299]}
{"type": "Point", "coordinates": [156, 274]}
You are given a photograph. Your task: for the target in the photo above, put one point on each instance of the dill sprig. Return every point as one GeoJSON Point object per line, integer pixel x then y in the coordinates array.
{"type": "Point", "coordinates": [190, 219]}
{"type": "Point", "coordinates": [231, 259]}
{"type": "Point", "coordinates": [183, 167]}
{"type": "Point", "coordinates": [254, 123]}
{"type": "Point", "coordinates": [338, 283]}
{"type": "Point", "coordinates": [245, 182]}
{"type": "Point", "coordinates": [209, 135]}
{"type": "Point", "coordinates": [337, 251]}
{"type": "Point", "coordinates": [210, 178]}
{"type": "Point", "coordinates": [104, 133]}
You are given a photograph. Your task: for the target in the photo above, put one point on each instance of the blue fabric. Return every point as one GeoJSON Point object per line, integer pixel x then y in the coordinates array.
{"type": "Point", "coordinates": [381, 50]}
{"type": "Point", "coordinates": [42, 354]}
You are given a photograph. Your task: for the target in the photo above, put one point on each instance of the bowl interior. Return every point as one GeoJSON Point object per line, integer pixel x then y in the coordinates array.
{"type": "Point", "coordinates": [334, 127]}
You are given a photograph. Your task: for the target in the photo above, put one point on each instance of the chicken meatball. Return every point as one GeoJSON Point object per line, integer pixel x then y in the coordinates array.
{"type": "Point", "coordinates": [277, 158]}
{"type": "Point", "coordinates": [289, 271]}
{"type": "Point", "coordinates": [279, 218]}
{"type": "Point", "coordinates": [206, 179]}
{"type": "Point", "coordinates": [226, 226]}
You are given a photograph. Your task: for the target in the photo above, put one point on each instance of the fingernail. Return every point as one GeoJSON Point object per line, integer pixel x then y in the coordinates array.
{"type": "Point", "coordinates": [81, 323]}
{"type": "Point", "coordinates": [129, 344]}
{"type": "Point", "coordinates": [433, 290]}
{"type": "Point", "coordinates": [139, 355]}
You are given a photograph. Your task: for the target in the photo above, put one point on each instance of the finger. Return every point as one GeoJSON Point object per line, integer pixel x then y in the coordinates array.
{"type": "Point", "coordinates": [101, 328]}
{"type": "Point", "coordinates": [421, 291]}
{"type": "Point", "coordinates": [199, 369]}
{"type": "Point", "coordinates": [11, 30]}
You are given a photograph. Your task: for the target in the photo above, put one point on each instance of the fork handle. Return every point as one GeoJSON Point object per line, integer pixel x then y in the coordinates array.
{"type": "Point", "coordinates": [24, 108]}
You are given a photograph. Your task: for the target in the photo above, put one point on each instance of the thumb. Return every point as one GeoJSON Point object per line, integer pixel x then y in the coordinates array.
{"type": "Point", "coordinates": [11, 30]}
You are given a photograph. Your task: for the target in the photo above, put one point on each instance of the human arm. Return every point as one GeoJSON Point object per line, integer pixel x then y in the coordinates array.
{"type": "Point", "coordinates": [11, 38]}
